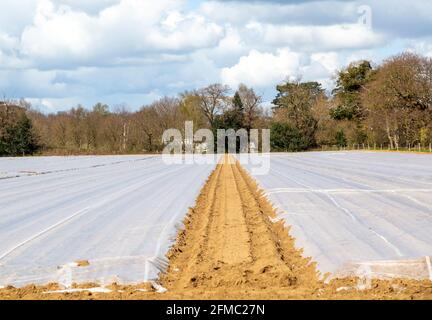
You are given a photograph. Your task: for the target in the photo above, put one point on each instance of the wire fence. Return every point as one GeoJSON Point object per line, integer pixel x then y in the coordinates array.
{"type": "Point", "coordinates": [379, 147]}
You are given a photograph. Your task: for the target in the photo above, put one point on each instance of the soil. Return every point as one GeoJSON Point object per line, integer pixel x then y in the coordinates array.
{"type": "Point", "coordinates": [82, 263]}
{"type": "Point", "coordinates": [233, 247]}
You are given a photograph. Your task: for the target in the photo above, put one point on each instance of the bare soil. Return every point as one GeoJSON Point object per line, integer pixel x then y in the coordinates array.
{"type": "Point", "coordinates": [233, 247]}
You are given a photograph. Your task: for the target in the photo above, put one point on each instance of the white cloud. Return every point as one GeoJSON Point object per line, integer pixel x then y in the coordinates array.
{"type": "Point", "coordinates": [16, 15]}
{"type": "Point", "coordinates": [321, 66]}
{"type": "Point", "coordinates": [261, 69]}
{"type": "Point", "coordinates": [329, 60]}
{"type": "Point", "coordinates": [57, 34]}
{"type": "Point", "coordinates": [422, 47]}
{"type": "Point", "coordinates": [288, 12]}
{"type": "Point", "coordinates": [62, 52]}
{"type": "Point", "coordinates": [267, 69]}
{"type": "Point", "coordinates": [230, 48]}
{"type": "Point", "coordinates": [89, 6]}
{"type": "Point", "coordinates": [55, 104]}
{"type": "Point", "coordinates": [60, 35]}
{"type": "Point", "coordinates": [7, 42]}
{"type": "Point", "coordinates": [313, 38]}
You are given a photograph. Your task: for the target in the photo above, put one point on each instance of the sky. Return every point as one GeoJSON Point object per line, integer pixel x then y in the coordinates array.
{"type": "Point", "coordinates": [60, 53]}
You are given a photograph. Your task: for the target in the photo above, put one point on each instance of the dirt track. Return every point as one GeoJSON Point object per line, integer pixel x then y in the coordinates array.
{"type": "Point", "coordinates": [233, 248]}
{"type": "Point", "coordinates": [230, 243]}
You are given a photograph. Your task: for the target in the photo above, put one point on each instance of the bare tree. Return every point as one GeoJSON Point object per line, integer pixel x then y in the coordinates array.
{"type": "Point", "coordinates": [147, 123]}
{"type": "Point", "coordinates": [167, 111]}
{"type": "Point", "coordinates": [400, 96]}
{"type": "Point", "coordinates": [190, 109]}
{"type": "Point", "coordinates": [213, 100]}
{"type": "Point", "coordinates": [251, 104]}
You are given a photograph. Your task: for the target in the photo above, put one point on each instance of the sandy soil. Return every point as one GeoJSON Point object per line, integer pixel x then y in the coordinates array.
{"type": "Point", "coordinates": [232, 247]}
{"type": "Point", "coordinates": [230, 242]}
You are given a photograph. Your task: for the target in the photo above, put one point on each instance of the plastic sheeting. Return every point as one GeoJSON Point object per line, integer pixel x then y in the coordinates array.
{"type": "Point", "coordinates": [26, 166]}
{"type": "Point", "coordinates": [351, 207]}
{"type": "Point", "coordinates": [120, 213]}
{"type": "Point", "coordinates": [418, 269]}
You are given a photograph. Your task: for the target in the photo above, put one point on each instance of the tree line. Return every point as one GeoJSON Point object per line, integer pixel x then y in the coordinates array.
{"type": "Point", "coordinates": [388, 104]}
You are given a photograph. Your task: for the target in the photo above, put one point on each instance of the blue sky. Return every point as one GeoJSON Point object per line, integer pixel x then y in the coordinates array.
{"type": "Point", "coordinates": [59, 53]}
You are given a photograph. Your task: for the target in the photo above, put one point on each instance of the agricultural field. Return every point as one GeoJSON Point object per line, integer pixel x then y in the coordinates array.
{"type": "Point", "coordinates": [118, 213]}
{"type": "Point", "coordinates": [136, 227]}
{"type": "Point", "coordinates": [216, 150]}
{"type": "Point", "coordinates": [348, 208]}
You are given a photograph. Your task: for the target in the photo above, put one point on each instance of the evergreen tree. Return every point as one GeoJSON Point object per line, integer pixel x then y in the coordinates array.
{"type": "Point", "coordinates": [17, 136]}
{"type": "Point", "coordinates": [349, 85]}
{"type": "Point", "coordinates": [285, 137]}
{"type": "Point", "coordinates": [233, 118]}
{"type": "Point", "coordinates": [293, 106]}
{"type": "Point", "coordinates": [24, 139]}
{"type": "Point", "coordinates": [341, 140]}
{"type": "Point", "coordinates": [237, 102]}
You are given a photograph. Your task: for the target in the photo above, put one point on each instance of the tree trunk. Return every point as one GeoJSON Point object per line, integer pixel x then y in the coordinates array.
{"type": "Point", "coordinates": [396, 141]}
{"type": "Point", "coordinates": [389, 136]}
{"type": "Point", "coordinates": [124, 136]}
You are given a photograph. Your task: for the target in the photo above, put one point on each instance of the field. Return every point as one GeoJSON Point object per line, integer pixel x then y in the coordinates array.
{"type": "Point", "coordinates": [103, 220]}
{"type": "Point", "coordinates": [119, 213]}
{"type": "Point", "coordinates": [354, 206]}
